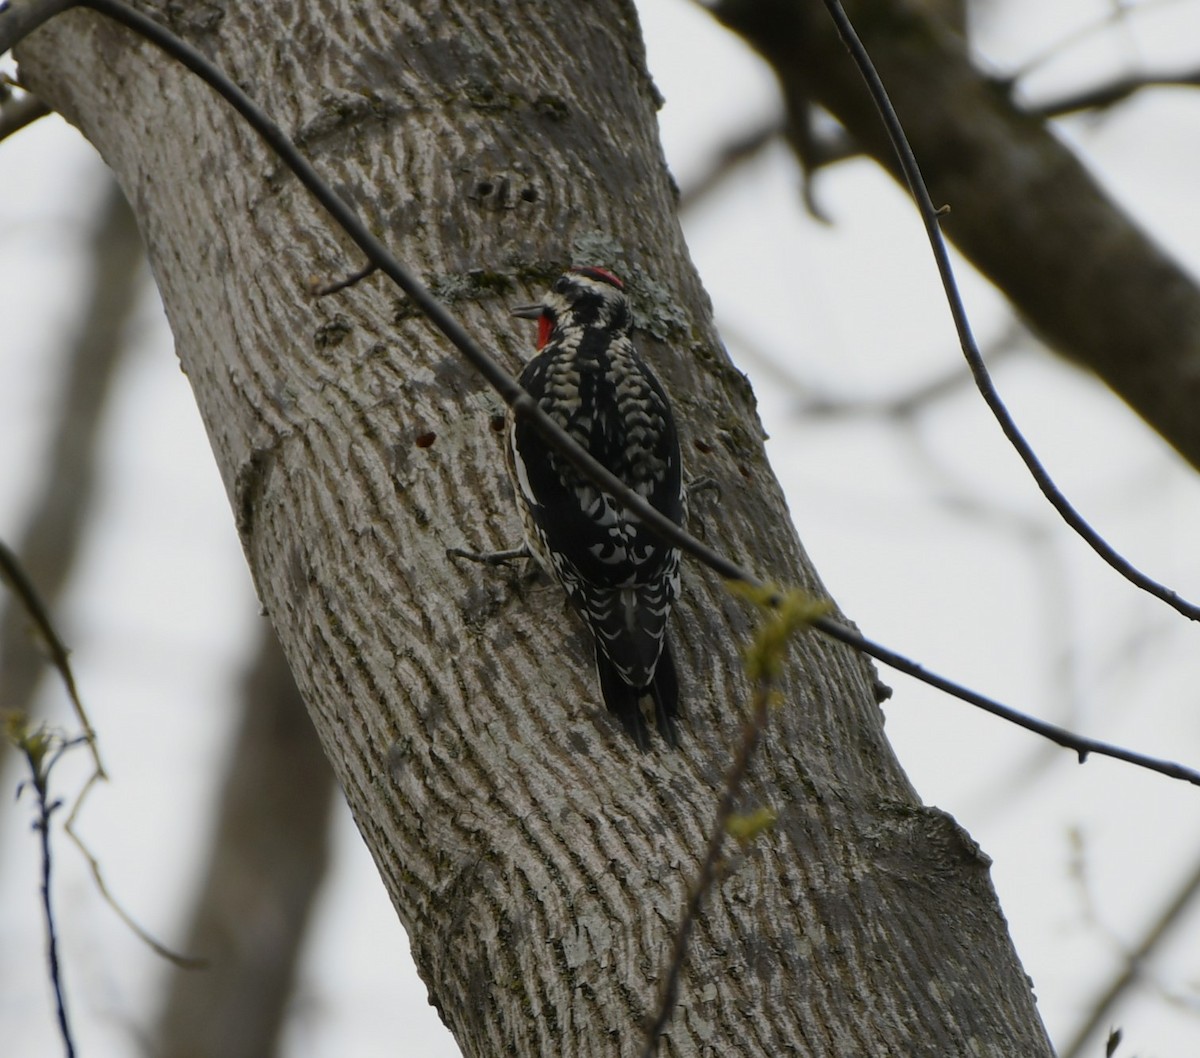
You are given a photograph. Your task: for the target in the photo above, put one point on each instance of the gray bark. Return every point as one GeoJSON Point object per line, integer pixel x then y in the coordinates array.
{"type": "Point", "coordinates": [537, 861]}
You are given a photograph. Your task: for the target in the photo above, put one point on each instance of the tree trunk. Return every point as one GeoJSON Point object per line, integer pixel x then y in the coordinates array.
{"type": "Point", "coordinates": [537, 860]}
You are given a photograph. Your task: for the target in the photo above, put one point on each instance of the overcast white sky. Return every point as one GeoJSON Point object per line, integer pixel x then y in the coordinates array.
{"type": "Point", "coordinates": [933, 540]}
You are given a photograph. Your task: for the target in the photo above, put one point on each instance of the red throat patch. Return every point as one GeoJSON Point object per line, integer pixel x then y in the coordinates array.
{"type": "Point", "coordinates": [545, 328]}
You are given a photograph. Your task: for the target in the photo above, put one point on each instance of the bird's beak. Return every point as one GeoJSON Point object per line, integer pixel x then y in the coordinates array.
{"type": "Point", "coordinates": [529, 312]}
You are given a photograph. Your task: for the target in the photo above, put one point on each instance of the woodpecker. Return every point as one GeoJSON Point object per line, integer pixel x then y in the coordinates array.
{"type": "Point", "coordinates": [619, 577]}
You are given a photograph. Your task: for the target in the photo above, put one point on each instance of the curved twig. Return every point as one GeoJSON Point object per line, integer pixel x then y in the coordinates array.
{"type": "Point", "coordinates": [13, 574]}
{"type": "Point", "coordinates": [930, 218]}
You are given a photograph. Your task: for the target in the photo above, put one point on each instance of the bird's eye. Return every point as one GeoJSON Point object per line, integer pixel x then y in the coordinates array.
{"type": "Point", "coordinates": [562, 285]}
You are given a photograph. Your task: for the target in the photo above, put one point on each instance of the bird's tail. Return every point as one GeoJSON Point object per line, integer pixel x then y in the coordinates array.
{"type": "Point", "coordinates": [625, 701]}
{"type": "Point", "coordinates": [664, 689]}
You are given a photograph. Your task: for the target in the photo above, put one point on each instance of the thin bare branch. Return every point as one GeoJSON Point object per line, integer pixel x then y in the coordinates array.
{"type": "Point", "coordinates": [728, 160]}
{"type": "Point", "coordinates": [57, 517]}
{"type": "Point", "coordinates": [930, 218]}
{"type": "Point", "coordinates": [812, 403]}
{"type": "Point", "coordinates": [42, 750]}
{"type": "Point", "coordinates": [141, 932]}
{"type": "Point", "coordinates": [1083, 747]}
{"type": "Point", "coordinates": [1100, 97]}
{"type": "Point", "coordinates": [1119, 13]}
{"type": "Point", "coordinates": [12, 573]}
{"type": "Point", "coordinates": [1160, 929]}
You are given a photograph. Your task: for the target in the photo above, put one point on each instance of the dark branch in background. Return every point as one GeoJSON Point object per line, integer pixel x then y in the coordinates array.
{"type": "Point", "coordinates": [1101, 1008]}
{"type": "Point", "coordinates": [1103, 96]}
{"type": "Point", "coordinates": [930, 218]}
{"type": "Point", "coordinates": [51, 536]}
{"type": "Point", "coordinates": [1028, 214]}
{"type": "Point", "coordinates": [837, 145]}
{"type": "Point", "coordinates": [22, 588]}
{"type": "Point", "coordinates": [820, 148]}
{"type": "Point", "coordinates": [49, 539]}
{"type": "Point", "coordinates": [525, 407]}
{"type": "Point", "coordinates": [1099, 97]}
{"type": "Point", "coordinates": [729, 158]}
{"type": "Point", "coordinates": [1117, 13]}
{"type": "Point", "coordinates": [816, 149]}
{"type": "Point", "coordinates": [268, 855]}
{"type": "Point", "coordinates": [816, 140]}
{"type": "Point", "coordinates": [811, 403]}
{"type": "Point", "coordinates": [899, 405]}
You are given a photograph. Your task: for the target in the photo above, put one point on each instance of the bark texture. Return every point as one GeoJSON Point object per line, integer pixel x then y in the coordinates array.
{"type": "Point", "coordinates": [1025, 211]}
{"type": "Point", "coordinates": [537, 860]}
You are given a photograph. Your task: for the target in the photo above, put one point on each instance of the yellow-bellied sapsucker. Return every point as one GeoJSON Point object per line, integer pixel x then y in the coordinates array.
{"type": "Point", "coordinates": [620, 577]}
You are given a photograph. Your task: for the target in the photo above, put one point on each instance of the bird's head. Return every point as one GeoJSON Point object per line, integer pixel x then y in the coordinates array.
{"type": "Point", "coordinates": [581, 297]}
